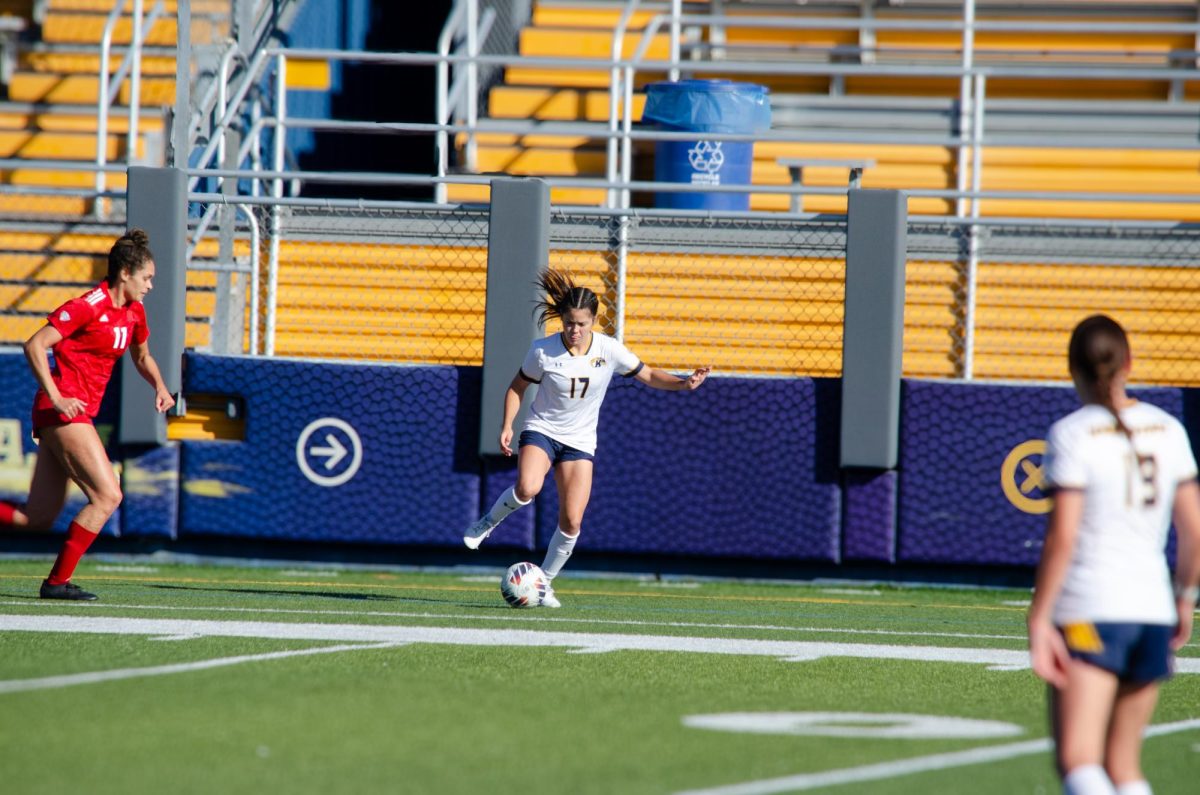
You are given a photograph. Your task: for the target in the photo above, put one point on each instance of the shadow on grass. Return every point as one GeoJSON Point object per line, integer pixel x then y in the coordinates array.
{"type": "Point", "coordinates": [352, 597]}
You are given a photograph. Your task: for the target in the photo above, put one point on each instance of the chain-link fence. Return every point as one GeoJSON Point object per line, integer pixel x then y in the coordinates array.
{"type": "Point", "coordinates": [1032, 283]}
{"type": "Point", "coordinates": [760, 296]}
{"type": "Point", "coordinates": [378, 285]}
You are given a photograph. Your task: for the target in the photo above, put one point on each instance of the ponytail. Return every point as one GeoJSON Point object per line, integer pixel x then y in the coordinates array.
{"type": "Point", "coordinates": [1098, 351]}
{"type": "Point", "coordinates": [562, 295]}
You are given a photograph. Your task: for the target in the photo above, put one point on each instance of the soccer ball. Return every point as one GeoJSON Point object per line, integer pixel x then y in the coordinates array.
{"type": "Point", "coordinates": [524, 585]}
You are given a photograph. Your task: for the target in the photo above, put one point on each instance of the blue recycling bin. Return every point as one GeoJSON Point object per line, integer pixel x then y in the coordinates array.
{"type": "Point", "coordinates": [720, 106]}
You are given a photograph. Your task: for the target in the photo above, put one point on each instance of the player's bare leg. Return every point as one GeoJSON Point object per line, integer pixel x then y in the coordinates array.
{"type": "Point", "coordinates": [574, 480]}
{"type": "Point", "coordinates": [1123, 748]}
{"type": "Point", "coordinates": [532, 466]}
{"type": "Point", "coordinates": [1081, 713]}
{"type": "Point", "coordinates": [47, 494]}
{"type": "Point", "coordinates": [81, 454]}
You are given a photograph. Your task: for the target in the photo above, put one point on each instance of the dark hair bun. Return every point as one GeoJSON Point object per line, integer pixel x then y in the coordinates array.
{"type": "Point", "coordinates": [138, 237]}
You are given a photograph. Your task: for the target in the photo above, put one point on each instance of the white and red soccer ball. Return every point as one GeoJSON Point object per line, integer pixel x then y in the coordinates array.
{"type": "Point", "coordinates": [524, 585]}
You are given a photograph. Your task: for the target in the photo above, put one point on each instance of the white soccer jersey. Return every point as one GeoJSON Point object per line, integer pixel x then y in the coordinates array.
{"type": "Point", "coordinates": [1118, 572]}
{"type": "Point", "coordinates": [571, 388]}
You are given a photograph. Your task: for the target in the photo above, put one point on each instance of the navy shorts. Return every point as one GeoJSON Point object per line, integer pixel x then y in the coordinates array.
{"type": "Point", "coordinates": [555, 451]}
{"type": "Point", "coordinates": [1134, 652]}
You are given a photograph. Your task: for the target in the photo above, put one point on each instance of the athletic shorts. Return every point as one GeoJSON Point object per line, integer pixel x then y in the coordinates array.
{"type": "Point", "coordinates": [1136, 653]}
{"type": "Point", "coordinates": [555, 451]}
{"type": "Point", "coordinates": [49, 418]}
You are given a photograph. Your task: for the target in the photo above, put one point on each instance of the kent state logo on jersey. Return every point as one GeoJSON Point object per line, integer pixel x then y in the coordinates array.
{"type": "Point", "coordinates": [597, 361]}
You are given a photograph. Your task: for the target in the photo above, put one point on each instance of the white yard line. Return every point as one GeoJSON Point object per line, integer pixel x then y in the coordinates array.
{"type": "Point", "coordinates": [94, 677]}
{"type": "Point", "coordinates": [792, 651]}
{"type": "Point", "coordinates": [539, 618]}
{"type": "Point", "coordinates": [904, 767]}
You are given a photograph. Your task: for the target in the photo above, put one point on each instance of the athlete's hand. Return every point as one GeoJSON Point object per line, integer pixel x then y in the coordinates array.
{"type": "Point", "coordinates": [506, 441]}
{"type": "Point", "coordinates": [69, 407]}
{"type": "Point", "coordinates": [1048, 653]}
{"type": "Point", "coordinates": [1183, 630]}
{"type": "Point", "coordinates": [694, 380]}
{"type": "Point", "coordinates": [163, 400]}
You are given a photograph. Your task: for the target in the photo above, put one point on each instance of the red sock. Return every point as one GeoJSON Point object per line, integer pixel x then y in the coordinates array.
{"type": "Point", "coordinates": [79, 538]}
{"type": "Point", "coordinates": [7, 509]}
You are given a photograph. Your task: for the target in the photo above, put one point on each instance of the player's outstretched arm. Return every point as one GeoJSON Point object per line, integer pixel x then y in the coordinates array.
{"type": "Point", "coordinates": [1187, 566]}
{"type": "Point", "coordinates": [660, 379]}
{"type": "Point", "coordinates": [1047, 650]}
{"type": "Point", "coordinates": [146, 365]}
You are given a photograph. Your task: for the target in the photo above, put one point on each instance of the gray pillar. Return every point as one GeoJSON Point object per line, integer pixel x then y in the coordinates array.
{"type": "Point", "coordinates": [157, 204]}
{"type": "Point", "coordinates": [873, 334]}
{"type": "Point", "coordinates": [182, 117]}
{"type": "Point", "coordinates": [518, 250]}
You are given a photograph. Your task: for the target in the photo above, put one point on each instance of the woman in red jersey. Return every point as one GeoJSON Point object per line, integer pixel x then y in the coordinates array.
{"type": "Point", "coordinates": [88, 335]}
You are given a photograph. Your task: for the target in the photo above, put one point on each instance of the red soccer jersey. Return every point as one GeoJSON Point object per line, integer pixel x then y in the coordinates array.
{"type": "Point", "coordinates": [95, 335]}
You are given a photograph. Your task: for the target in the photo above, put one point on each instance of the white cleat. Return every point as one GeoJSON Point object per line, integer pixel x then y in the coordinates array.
{"type": "Point", "coordinates": [477, 532]}
{"type": "Point", "coordinates": [549, 599]}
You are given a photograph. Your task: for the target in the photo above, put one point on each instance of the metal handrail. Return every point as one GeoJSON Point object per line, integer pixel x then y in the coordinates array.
{"type": "Point", "coordinates": [968, 25]}
{"type": "Point", "coordinates": [378, 178]}
{"type": "Point", "coordinates": [460, 98]}
{"type": "Point", "coordinates": [109, 90]}
{"type": "Point", "coordinates": [442, 98]}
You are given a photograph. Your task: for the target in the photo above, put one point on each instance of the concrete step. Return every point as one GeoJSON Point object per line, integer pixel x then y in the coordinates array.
{"type": "Point", "coordinates": [84, 89]}
{"type": "Point", "coordinates": [58, 145]}
{"type": "Point", "coordinates": [20, 118]}
{"type": "Point", "coordinates": [88, 63]}
{"type": "Point", "coordinates": [70, 27]}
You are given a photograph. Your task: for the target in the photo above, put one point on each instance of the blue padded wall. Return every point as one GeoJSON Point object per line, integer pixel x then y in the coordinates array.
{"type": "Point", "coordinates": [418, 480]}
{"type": "Point", "coordinates": [150, 482]}
{"type": "Point", "coordinates": [743, 468]}
{"type": "Point", "coordinates": [955, 439]}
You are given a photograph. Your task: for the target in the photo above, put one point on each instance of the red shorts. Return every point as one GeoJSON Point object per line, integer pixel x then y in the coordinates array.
{"type": "Point", "coordinates": [50, 418]}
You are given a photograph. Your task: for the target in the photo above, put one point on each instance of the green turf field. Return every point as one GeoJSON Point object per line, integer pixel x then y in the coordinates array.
{"type": "Point", "coordinates": [212, 679]}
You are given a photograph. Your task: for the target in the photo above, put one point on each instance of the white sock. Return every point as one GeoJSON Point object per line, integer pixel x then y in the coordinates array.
{"type": "Point", "coordinates": [1087, 780]}
{"type": "Point", "coordinates": [557, 553]}
{"type": "Point", "coordinates": [1135, 788]}
{"type": "Point", "coordinates": [507, 503]}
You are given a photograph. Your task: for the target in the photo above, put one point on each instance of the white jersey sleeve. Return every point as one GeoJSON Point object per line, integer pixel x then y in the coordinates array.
{"type": "Point", "coordinates": [533, 367]}
{"type": "Point", "coordinates": [1187, 459]}
{"type": "Point", "coordinates": [1064, 469]}
{"type": "Point", "coordinates": [624, 362]}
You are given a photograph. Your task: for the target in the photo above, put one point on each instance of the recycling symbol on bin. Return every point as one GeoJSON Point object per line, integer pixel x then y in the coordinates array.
{"type": "Point", "coordinates": [706, 156]}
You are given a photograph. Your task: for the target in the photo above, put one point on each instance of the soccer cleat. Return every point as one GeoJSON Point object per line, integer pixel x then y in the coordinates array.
{"type": "Point", "coordinates": [477, 532]}
{"type": "Point", "coordinates": [67, 590]}
{"type": "Point", "coordinates": [549, 599]}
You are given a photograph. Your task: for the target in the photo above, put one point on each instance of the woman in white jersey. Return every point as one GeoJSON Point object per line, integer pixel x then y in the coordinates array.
{"type": "Point", "coordinates": [573, 370]}
{"type": "Point", "coordinates": [1105, 615]}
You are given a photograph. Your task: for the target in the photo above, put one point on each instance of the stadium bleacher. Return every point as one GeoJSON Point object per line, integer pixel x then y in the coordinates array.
{"type": "Point", "coordinates": [1125, 134]}
{"type": "Point", "coordinates": [832, 113]}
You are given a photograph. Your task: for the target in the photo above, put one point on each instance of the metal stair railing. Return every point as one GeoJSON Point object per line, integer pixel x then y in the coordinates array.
{"type": "Point", "coordinates": [110, 86]}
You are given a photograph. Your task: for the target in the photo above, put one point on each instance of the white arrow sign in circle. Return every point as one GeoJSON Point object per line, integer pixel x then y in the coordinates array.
{"type": "Point", "coordinates": [326, 444]}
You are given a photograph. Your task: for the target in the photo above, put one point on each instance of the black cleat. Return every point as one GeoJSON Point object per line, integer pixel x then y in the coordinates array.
{"type": "Point", "coordinates": [67, 590]}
